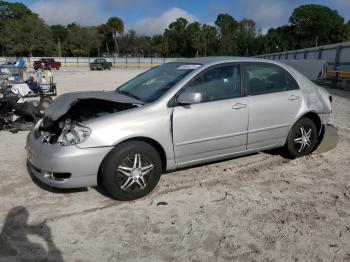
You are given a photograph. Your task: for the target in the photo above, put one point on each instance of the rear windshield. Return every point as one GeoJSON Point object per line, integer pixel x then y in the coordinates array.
{"type": "Point", "coordinates": [152, 84]}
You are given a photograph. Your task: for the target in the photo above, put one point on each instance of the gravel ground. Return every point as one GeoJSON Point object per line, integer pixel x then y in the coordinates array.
{"type": "Point", "coordinates": [260, 207]}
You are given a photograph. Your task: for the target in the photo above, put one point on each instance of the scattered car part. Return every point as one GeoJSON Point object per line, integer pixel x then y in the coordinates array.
{"type": "Point", "coordinates": [17, 114]}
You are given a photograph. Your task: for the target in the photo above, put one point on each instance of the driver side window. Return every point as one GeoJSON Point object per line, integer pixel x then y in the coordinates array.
{"type": "Point", "coordinates": [218, 83]}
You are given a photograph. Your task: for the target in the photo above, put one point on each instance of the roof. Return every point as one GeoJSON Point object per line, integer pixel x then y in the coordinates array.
{"type": "Point", "coordinates": [217, 59]}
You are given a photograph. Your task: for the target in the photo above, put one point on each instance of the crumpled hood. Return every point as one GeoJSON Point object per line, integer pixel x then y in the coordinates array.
{"type": "Point", "coordinates": [63, 103]}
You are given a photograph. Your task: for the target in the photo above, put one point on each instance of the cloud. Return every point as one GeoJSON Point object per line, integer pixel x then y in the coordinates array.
{"type": "Point", "coordinates": [156, 25]}
{"type": "Point", "coordinates": [344, 3]}
{"type": "Point", "coordinates": [344, 6]}
{"type": "Point", "coordinates": [95, 12]}
{"type": "Point", "coordinates": [125, 4]}
{"type": "Point", "coordinates": [218, 7]}
{"type": "Point", "coordinates": [68, 11]}
{"type": "Point", "coordinates": [274, 13]}
{"type": "Point", "coordinates": [268, 13]}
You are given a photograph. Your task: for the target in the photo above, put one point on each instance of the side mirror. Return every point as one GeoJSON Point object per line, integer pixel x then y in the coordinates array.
{"type": "Point", "coordinates": [189, 98]}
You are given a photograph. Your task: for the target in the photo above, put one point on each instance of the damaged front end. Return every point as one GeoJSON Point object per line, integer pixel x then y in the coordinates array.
{"type": "Point", "coordinates": [70, 127]}
{"type": "Point", "coordinates": [69, 133]}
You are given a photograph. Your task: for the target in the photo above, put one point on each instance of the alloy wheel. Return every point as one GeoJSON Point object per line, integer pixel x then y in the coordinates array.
{"type": "Point", "coordinates": [134, 172]}
{"type": "Point", "coordinates": [302, 139]}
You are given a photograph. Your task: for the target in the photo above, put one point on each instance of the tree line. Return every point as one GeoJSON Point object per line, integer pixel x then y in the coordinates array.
{"type": "Point", "coordinates": [24, 33]}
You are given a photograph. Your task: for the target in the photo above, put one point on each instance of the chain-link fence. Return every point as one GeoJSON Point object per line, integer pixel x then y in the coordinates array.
{"type": "Point", "coordinates": [336, 55]}
{"type": "Point", "coordinates": [122, 62]}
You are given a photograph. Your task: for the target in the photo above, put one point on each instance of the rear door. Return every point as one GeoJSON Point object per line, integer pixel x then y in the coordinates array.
{"type": "Point", "coordinates": [218, 125]}
{"type": "Point", "coordinates": [274, 100]}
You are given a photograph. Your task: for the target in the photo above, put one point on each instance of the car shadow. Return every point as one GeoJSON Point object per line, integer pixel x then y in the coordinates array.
{"type": "Point", "coordinates": [277, 152]}
{"type": "Point", "coordinates": [101, 190]}
{"type": "Point", "coordinates": [273, 152]}
{"type": "Point", "coordinates": [15, 244]}
{"type": "Point", "coordinates": [209, 163]}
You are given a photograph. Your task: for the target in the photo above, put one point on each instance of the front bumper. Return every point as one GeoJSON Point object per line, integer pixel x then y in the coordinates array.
{"type": "Point", "coordinates": [324, 118]}
{"type": "Point", "coordinates": [82, 165]}
{"type": "Point", "coordinates": [95, 67]}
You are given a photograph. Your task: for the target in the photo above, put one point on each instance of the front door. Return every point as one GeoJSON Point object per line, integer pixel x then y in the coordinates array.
{"type": "Point", "coordinates": [218, 125]}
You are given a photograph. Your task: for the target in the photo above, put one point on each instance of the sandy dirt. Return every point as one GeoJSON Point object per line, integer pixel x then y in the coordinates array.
{"type": "Point", "coordinates": [82, 79]}
{"type": "Point", "coordinates": [260, 207]}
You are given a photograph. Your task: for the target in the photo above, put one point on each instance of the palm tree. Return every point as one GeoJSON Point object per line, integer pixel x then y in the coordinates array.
{"type": "Point", "coordinates": [115, 25]}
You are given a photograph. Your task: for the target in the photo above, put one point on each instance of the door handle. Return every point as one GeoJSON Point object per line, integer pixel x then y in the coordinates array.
{"type": "Point", "coordinates": [239, 106]}
{"type": "Point", "coordinates": [293, 97]}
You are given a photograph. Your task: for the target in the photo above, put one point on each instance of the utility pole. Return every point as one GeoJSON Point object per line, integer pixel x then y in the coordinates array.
{"type": "Point", "coordinates": [116, 43]}
{"type": "Point", "coordinates": [107, 47]}
{"type": "Point", "coordinates": [59, 48]}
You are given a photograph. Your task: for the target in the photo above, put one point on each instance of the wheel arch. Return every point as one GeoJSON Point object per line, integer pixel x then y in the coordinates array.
{"type": "Point", "coordinates": [315, 118]}
{"type": "Point", "coordinates": [157, 146]}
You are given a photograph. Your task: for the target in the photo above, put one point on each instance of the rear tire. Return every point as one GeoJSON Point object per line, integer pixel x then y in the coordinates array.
{"type": "Point", "coordinates": [302, 138]}
{"type": "Point", "coordinates": [131, 171]}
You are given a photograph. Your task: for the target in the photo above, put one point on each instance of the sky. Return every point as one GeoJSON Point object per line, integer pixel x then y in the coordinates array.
{"type": "Point", "coordinates": [148, 17]}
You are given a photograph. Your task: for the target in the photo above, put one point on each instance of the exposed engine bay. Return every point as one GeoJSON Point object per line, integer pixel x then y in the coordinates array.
{"type": "Point", "coordinates": [70, 129]}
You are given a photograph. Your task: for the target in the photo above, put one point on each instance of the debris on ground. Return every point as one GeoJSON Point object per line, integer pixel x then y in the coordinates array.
{"type": "Point", "coordinates": [162, 204]}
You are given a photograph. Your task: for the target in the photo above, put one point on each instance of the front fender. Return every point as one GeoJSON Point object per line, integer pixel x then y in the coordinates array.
{"type": "Point", "coordinates": [148, 122]}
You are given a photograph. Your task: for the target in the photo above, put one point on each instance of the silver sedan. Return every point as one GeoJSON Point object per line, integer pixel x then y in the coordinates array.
{"type": "Point", "coordinates": [177, 115]}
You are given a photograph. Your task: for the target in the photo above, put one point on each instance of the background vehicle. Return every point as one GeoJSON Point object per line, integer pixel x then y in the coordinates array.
{"type": "Point", "coordinates": [8, 64]}
{"type": "Point", "coordinates": [176, 115]}
{"type": "Point", "coordinates": [100, 64]}
{"type": "Point", "coordinates": [46, 63]}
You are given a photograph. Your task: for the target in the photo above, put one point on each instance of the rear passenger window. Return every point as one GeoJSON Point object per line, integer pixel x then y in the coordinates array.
{"type": "Point", "coordinates": [266, 78]}
{"type": "Point", "coordinates": [291, 83]}
{"type": "Point", "coordinates": [218, 83]}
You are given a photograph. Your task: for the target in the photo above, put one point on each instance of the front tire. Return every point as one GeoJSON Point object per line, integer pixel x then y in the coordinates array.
{"type": "Point", "coordinates": [302, 138]}
{"type": "Point", "coordinates": [131, 171]}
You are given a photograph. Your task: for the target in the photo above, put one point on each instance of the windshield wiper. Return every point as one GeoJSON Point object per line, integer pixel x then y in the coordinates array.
{"type": "Point", "coordinates": [129, 95]}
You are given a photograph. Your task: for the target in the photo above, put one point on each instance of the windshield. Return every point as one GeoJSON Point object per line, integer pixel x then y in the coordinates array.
{"type": "Point", "coordinates": [152, 84]}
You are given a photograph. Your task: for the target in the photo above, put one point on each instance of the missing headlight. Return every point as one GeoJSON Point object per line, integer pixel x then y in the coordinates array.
{"type": "Point", "coordinates": [72, 133]}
